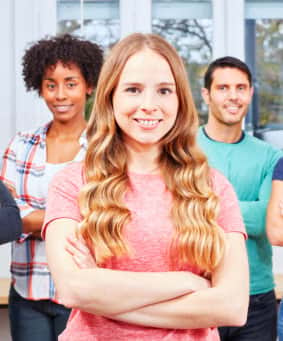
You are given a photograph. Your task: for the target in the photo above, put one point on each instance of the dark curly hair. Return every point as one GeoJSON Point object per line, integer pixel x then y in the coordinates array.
{"type": "Point", "coordinates": [67, 49]}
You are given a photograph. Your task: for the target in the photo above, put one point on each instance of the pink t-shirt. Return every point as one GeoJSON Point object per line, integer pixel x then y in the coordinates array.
{"type": "Point", "coordinates": [149, 234]}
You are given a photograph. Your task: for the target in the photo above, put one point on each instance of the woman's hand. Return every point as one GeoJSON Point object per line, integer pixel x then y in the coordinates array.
{"type": "Point", "coordinates": [82, 255]}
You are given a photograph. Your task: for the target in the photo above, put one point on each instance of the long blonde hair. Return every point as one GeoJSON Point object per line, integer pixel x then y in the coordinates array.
{"type": "Point", "coordinates": [198, 240]}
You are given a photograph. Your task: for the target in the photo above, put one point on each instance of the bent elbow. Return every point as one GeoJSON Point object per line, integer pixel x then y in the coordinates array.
{"type": "Point", "coordinates": [274, 230]}
{"type": "Point", "coordinates": [69, 289]}
{"type": "Point", "coordinates": [275, 238]}
{"type": "Point", "coordinates": [238, 314]}
{"type": "Point", "coordinates": [275, 241]}
{"type": "Point", "coordinates": [67, 296]}
{"type": "Point", "coordinates": [72, 294]}
{"type": "Point", "coordinates": [239, 320]}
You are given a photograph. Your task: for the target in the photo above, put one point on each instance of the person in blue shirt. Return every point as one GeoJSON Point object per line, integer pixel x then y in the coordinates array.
{"type": "Point", "coordinates": [10, 219]}
{"type": "Point", "coordinates": [274, 223]}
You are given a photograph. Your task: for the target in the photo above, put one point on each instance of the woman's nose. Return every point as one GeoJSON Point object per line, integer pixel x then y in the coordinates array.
{"type": "Point", "coordinates": [60, 93]}
{"type": "Point", "coordinates": [149, 103]}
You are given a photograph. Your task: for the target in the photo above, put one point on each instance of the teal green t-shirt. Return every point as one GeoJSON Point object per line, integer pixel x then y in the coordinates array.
{"type": "Point", "coordinates": [248, 165]}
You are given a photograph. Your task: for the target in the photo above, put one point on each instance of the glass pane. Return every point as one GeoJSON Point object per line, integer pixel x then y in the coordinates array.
{"type": "Point", "coordinates": [100, 20]}
{"type": "Point", "coordinates": [264, 54]}
{"type": "Point", "coordinates": [184, 26]}
{"type": "Point", "coordinates": [95, 20]}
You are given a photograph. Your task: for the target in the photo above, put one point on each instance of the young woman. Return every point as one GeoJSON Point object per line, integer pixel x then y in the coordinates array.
{"type": "Point", "coordinates": [155, 218]}
{"type": "Point", "coordinates": [64, 71]}
{"type": "Point", "coordinates": [274, 223]}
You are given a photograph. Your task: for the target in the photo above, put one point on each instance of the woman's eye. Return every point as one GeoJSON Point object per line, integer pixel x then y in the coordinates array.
{"type": "Point", "coordinates": [50, 86]}
{"type": "Point", "coordinates": [133, 90]}
{"type": "Point", "coordinates": [71, 85]}
{"type": "Point", "coordinates": [165, 91]}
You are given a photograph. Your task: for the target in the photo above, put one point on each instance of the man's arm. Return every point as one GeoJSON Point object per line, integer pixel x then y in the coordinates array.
{"type": "Point", "coordinates": [254, 212]}
{"type": "Point", "coordinates": [10, 220]}
{"type": "Point", "coordinates": [33, 222]}
{"type": "Point", "coordinates": [274, 221]}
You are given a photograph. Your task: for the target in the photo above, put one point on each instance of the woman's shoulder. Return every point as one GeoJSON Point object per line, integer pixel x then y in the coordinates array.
{"type": "Point", "coordinates": [70, 176]}
{"type": "Point", "coordinates": [30, 137]}
{"type": "Point", "coordinates": [219, 181]}
{"type": "Point", "coordinates": [73, 170]}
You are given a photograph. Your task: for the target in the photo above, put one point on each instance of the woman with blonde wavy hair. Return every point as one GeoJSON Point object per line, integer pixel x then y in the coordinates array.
{"type": "Point", "coordinates": [147, 242]}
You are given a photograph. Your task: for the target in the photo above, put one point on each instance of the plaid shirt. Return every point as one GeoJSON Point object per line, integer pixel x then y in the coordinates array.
{"type": "Point", "coordinates": [23, 169]}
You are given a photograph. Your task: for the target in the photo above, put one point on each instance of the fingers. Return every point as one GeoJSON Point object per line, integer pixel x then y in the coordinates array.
{"type": "Point", "coordinates": [82, 262]}
{"type": "Point", "coordinates": [78, 244]}
{"type": "Point", "coordinates": [12, 190]}
{"type": "Point", "coordinates": [80, 253]}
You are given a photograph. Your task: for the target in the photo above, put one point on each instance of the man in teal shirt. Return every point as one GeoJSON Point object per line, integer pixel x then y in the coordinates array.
{"type": "Point", "coordinates": [248, 164]}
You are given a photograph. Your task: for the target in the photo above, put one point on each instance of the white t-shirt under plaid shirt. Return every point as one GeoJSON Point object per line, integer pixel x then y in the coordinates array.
{"type": "Point", "coordinates": [23, 168]}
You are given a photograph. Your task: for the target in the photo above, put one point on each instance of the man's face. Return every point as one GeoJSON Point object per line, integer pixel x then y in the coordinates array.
{"type": "Point", "coordinates": [229, 96]}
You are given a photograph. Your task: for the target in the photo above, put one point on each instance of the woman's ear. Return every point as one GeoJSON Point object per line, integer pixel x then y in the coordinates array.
{"type": "Point", "coordinates": [205, 95]}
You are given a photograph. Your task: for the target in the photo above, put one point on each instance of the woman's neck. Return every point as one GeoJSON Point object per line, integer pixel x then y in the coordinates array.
{"type": "Point", "coordinates": [143, 161]}
{"type": "Point", "coordinates": [66, 130]}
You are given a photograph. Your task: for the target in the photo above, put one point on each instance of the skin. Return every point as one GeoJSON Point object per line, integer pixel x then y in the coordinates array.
{"type": "Point", "coordinates": [173, 299]}
{"type": "Point", "coordinates": [274, 218]}
{"type": "Point", "coordinates": [228, 100]}
{"type": "Point", "coordinates": [64, 91]}
{"type": "Point", "coordinates": [145, 107]}
{"type": "Point", "coordinates": [180, 302]}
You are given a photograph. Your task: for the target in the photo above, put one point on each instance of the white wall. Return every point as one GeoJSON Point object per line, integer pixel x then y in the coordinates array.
{"type": "Point", "coordinates": [22, 22]}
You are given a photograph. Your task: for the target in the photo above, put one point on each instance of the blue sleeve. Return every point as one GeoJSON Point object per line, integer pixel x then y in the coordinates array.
{"type": "Point", "coordinates": [10, 220]}
{"type": "Point", "coordinates": [278, 170]}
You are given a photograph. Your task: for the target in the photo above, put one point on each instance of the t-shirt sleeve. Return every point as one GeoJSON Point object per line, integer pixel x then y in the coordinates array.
{"type": "Point", "coordinates": [63, 193]}
{"type": "Point", "coordinates": [278, 170]}
{"type": "Point", "coordinates": [230, 217]}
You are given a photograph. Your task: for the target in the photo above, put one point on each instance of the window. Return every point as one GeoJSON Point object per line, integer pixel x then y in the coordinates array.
{"type": "Point", "coordinates": [188, 26]}
{"type": "Point", "coordinates": [264, 54]}
{"type": "Point", "coordinates": [96, 20]}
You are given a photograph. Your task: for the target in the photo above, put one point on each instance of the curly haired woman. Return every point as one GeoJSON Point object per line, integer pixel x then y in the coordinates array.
{"type": "Point", "coordinates": [163, 230]}
{"type": "Point", "coordinates": [64, 71]}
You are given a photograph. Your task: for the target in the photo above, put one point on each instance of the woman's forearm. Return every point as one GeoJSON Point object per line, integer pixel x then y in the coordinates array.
{"type": "Point", "coordinates": [202, 309]}
{"type": "Point", "coordinates": [104, 291]}
{"type": "Point", "coordinates": [225, 304]}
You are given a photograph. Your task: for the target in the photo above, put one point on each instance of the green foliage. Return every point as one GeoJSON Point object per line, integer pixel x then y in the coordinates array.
{"type": "Point", "coordinates": [89, 105]}
{"type": "Point", "coordinates": [269, 56]}
{"type": "Point", "coordinates": [193, 40]}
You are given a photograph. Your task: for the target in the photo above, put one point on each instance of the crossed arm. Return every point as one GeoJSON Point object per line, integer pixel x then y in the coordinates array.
{"type": "Point", "coordinates": [165, 300]}
{"type": "Point", "coordinates": [10, 220]}
{"type": "Point", "coordinates": [33, 221]}
{"type": "Point", "coordinates": [254, 212]}
{"type": "Point", "coordinates": [274, 222]}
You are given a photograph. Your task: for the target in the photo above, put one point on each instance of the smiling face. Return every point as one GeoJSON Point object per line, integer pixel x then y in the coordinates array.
{"type": "Point", "coordinates": [145, 101]}
{"type": "Point", "coordinates": [64, 90]}
{"type": "Point", "coordinates": [229, 96]}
